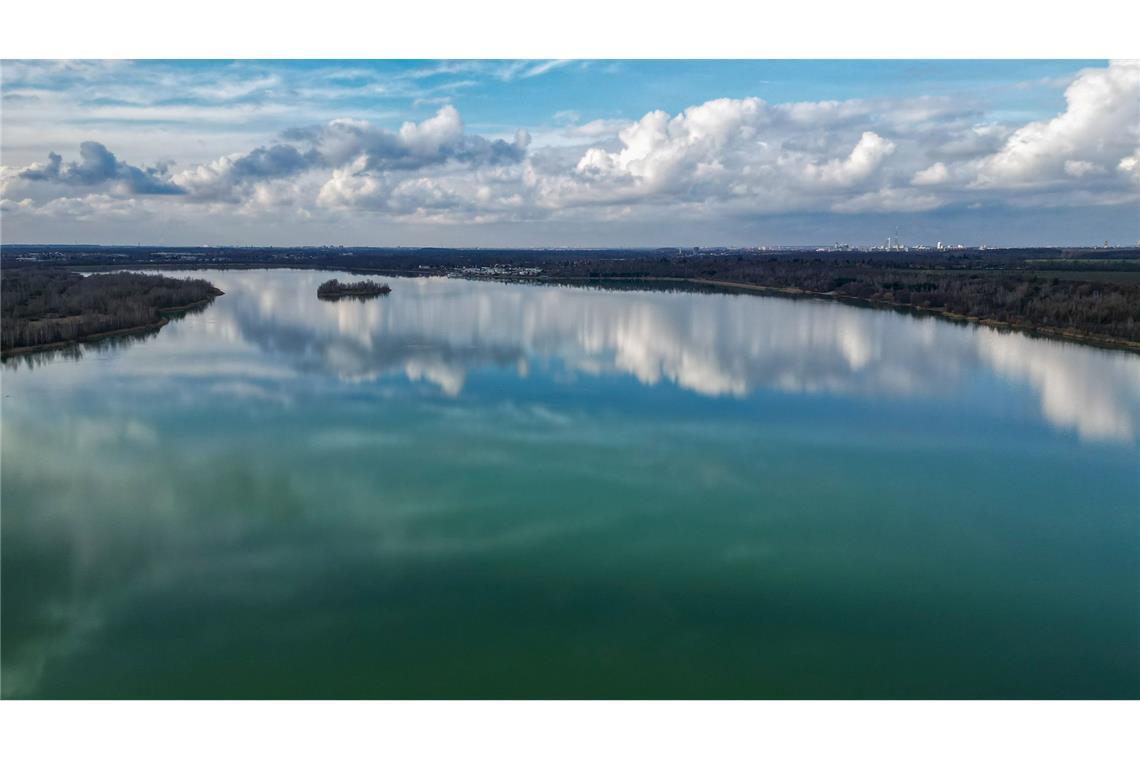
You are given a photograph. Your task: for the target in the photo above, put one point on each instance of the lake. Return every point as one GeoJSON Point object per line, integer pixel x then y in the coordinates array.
{"type": "Point", "coordinates": [478, 489]}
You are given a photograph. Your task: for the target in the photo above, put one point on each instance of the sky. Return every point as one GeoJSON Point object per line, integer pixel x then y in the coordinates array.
{"type": "Point", "coordinates": [570, 153]}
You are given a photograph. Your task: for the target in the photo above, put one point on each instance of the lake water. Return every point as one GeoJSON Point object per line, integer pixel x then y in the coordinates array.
{"type": "Point", "coordinates": [475, 489]}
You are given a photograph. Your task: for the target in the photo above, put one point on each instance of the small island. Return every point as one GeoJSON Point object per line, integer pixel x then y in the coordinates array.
{"type": "Point", "coordinates": [335, 289]}
{"type": "Point", "coordinates": [52, 308]}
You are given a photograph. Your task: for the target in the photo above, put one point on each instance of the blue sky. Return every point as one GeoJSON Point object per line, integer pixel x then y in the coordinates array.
{"type": "Point", "coordinates": [570, 152]}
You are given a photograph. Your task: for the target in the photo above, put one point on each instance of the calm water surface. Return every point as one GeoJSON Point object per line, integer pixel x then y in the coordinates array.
{"type": "Point", "coordinates": [471, 489]}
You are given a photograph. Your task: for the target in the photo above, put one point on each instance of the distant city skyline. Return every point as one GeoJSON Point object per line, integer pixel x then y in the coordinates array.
{"type": "Point", "coordinates": [571, 153]}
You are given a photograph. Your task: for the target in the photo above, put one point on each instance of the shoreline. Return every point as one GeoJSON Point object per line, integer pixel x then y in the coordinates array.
{"type": "Point", "coordinates": [96, 337]}
{"type": "Point", "coordinates": [1074, 336]}
{"type": "Point", "coordinates": [1070, 336]}
{"type": "Point", "coordinates": [1067, 335]}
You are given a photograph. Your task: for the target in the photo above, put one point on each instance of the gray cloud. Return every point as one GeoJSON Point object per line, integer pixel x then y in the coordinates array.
{"type": "Point", "coordinates": [98, 166]}
{"type": "Point", "coordinates": [274, 161]}
{"type": "Point", "coordinates": [361, 147]}
{"type": "Point", "coordinates": [433, 141]}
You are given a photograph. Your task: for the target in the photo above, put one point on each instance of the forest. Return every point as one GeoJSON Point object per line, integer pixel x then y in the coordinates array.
{"type": "Point", "coordinates": [40, 306]}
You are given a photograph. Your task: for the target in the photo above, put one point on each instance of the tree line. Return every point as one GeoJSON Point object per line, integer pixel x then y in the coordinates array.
{"type": "Point", "coordinates": [1020, 298]}
{"type": "Point", "coordinates": [42, 306]}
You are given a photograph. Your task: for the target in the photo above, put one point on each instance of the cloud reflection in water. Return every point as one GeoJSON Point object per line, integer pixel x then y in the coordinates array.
{"type": "Point", "coordinates": [438, 330]}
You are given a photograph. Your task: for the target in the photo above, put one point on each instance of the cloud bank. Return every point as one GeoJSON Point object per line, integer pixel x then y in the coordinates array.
{"type": "Point", "coordinates": [726, 158]}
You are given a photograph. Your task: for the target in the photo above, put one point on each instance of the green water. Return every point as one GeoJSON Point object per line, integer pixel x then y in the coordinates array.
{"type": "Point", "coordinates": [470, 489]}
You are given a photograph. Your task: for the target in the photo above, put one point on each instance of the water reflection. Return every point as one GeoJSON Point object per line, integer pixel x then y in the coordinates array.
{"type": "Point", "coordinates": [92, 349]}
{"type": "Point", "coordinates": [438, 330]}
{"type": "Point", "coordinates": [256, 484]}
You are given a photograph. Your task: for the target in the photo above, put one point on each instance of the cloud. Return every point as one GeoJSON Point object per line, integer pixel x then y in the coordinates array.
{"type": "Point", "coordinates": [271, 162]}
{"type": "Point", "coordinates": [1130, 165]}
{"type": "Point", "coordinates": [98, 166]}
{"type": "Point", "coordinates": [596, 129]}
{"type": "Point", "coordinates": [935, 174]}
{"type": "Point", "coordinates": [722, 160]}
{"type": "Point", "coordinates": [732, 151]}
{"type": "Point", "coordinates": [867, 155]}
{"type": "Point", "coordinates": [435, 140]}
{"type": "Point", "coordinates": [888, 199]}
{"type": "Point", "coordinates": [660, 151]}
{"type": "Point", "coordinates": [1099, 126]}
{"type": "Point", "coordinates": [543, 68]}
{"type": "Point", "coordinates": [235, 89]}
{"type": "Point", "coordinates": [527, 69]}
{"type": "Point", "coordinates": [355, 146]}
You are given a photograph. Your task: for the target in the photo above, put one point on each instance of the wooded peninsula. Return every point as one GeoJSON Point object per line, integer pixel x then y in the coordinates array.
{"type": "Point", "coordinates": [49, 308]}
